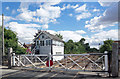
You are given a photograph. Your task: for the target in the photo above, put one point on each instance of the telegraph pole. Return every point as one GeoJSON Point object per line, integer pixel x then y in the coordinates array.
{"type": "Point", "coordinates": [3, 52]}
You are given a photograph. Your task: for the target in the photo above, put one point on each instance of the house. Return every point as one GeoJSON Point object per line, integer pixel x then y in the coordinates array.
{"type": "Point", "coordinates": [27, 46]}
{"type": "Point", "coordinates": [46, 43]}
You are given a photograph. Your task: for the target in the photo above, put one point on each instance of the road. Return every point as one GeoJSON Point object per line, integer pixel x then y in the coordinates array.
{"type": "Point", "coordinates": [30, 74]}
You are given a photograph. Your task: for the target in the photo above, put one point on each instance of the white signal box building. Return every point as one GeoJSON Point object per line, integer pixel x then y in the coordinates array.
{"type": "Point", "coordinates": [46, 43]}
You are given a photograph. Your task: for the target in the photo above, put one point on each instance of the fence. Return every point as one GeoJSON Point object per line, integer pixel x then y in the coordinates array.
{"type": "Point", "coordinates": [91, 62]}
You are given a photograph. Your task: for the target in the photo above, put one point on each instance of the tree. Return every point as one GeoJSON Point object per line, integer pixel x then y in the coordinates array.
{"type": "Point", "coordinates": [94, 50]}
{"type": "Point", "coordinates": [11, 40]}
{"type": "Point", "coordinates": [69, 47]}
{"type": "Point", "coordinates": [60, 36]}
{"type": "Point", "coordinates": [107, 46]}
{"type": "Point", "coordinates": [87, 47]}
{"type": "Point", "coordinates": [82, 40]}
{"type": "Point", "coordinates": [78, 47]}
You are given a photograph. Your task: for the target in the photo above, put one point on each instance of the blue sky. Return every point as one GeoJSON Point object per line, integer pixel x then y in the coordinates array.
{"type": "Point", "coordinates": [94, 21]}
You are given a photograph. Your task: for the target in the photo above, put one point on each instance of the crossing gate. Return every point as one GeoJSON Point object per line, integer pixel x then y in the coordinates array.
{"type": "Point", "coordinates": [91, 62]}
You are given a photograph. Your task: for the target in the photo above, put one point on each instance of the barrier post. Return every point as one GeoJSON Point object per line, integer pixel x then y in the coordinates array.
{"type": "Point", "coordinates": [49, 61]}
{"type": "Point", "coordinates": [9, 58]}
{"type": "Point", "coordinates": [13, 59]}
{"type": "Point", "coordinates": [106, 61]}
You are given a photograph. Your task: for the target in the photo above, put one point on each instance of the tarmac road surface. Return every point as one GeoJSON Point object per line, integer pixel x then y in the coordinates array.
{"type": "Point", "coordinates": [31, 74]}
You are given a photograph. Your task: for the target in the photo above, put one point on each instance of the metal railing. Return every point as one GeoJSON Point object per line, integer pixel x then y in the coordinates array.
{"type": "Point", "coordinates": [93, 62]}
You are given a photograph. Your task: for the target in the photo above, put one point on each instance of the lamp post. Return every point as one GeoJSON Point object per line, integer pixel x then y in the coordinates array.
{"type": "Point", "coordinates": [3, 53]}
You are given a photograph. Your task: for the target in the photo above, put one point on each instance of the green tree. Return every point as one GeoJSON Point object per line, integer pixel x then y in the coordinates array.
{"type": "Point", "coordinates": [11, 40]}
{"type": "Point", "coordinates": [87, 47]}
{"type": "Point", "coordinates": [78, 47]}
{"type": "Point", "coordinates": [60, 36]}
{"type": "Point", "coordinates": [69, 47]}
{"type": "Point", "coordinates": [107, 46]}
{"type": "Point", "coordinates": [93, 50]}
{"type": "Point", "coordinates": [82, 41]}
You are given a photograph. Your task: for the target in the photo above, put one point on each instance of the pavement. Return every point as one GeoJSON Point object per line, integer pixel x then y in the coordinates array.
{"type": "Point", "coordinates": [42, 74]}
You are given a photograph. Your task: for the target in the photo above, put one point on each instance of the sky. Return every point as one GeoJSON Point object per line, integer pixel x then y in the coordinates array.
{"type": "Point", "coordinates": [94, 21]}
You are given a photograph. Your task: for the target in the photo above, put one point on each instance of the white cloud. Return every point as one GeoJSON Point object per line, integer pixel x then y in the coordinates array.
{"type": "Point", "coordinates": [22, 25]}
{"type": "Point", "coordinates": [25, 5]}
{"type": "Point", "coordinates": [70, 14]}
{"type": "Point", "coordinates": [13, 11]}
{"type": "Point", "coordinates": [52, 32]}
{"type": "Point", "coordinates": [45, 26]}
{"type": "Point", "coordinates": [75, 6]}
{"type": "Point", "coordinates": [46, 13]}
{"type": "Point", "coordinates": [86, 22]}
{"type": "Point", "coordinates": [63, 8]}
{"type": "Point", "coordinates": [52, 2]}
{"type": "Point", "coordinates": [81, 8]}
{"type": "Point", "coordinates": [24, 32]}
{"type": "Point", "coordinates": [83, 16]}
{"type": "Point", "coordinates": [109, 18]}
{"type": "Point", "coordinates": [25, 16]}
{"type": "Point", "coordinates": [80, 31]}
{"type": "Point", "coordinates": [107, 34]}
{"type": "Point", "coordinates": [97, 38]}
{"type": "Point", "coordinates": [7, 8]}
{"type": "Point", "coordinates": [96, 10]}
{"type": "Point", "coordinates": [69, 6]}
{"type": "Point", "coordinates": [67, 35]}
{"type": "Point", "coordinates": [6, 19]}
{"type": "Point", "coordinates": [70, 35]}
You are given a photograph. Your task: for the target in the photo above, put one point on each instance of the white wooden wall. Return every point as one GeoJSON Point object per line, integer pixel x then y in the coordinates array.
{"type": "Point", "coordinates": [58, 49]}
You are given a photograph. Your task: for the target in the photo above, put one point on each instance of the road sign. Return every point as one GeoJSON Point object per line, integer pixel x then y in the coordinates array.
{"type": "Point", "coordinates": [47, 63]}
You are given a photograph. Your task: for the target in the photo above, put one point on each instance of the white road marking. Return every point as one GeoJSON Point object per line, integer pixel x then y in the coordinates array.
{"type": "Point", "coordinates": [42, 74]}
{"type": "Point", "coordinates": [76, 75]}
{"type": "Point", "coordinates": [54, 75]}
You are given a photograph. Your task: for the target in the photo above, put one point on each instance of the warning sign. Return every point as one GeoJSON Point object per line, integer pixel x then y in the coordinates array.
{"type": "Point", "coordinates": [47, 63]}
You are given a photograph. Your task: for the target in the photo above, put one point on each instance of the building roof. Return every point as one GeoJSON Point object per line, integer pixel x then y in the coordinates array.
{"type": "Point", "coordinates": [49, 35]}
{"type": "Point", "coordinates": [27, 45]}
{"type": "Point", "coordinates": [117, 41]}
